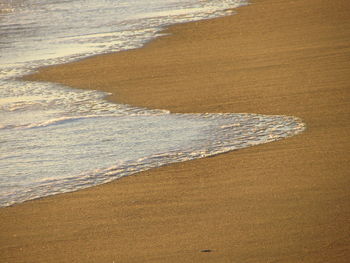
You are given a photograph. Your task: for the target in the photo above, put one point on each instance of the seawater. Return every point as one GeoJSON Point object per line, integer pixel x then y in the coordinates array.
{"type": "Point", "coordinates": [55, 139]}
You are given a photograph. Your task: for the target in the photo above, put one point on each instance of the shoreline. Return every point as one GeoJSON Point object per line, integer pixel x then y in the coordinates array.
{"type": "Point", "coordinates": [287, 200]}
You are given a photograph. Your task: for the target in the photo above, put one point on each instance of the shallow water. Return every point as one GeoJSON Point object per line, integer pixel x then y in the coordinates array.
{"type": "Point", "coordinates": [56, 139]}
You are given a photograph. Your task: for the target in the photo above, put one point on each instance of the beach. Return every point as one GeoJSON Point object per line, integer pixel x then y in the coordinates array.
{"type": "Point", "coordinates": [286, 201]}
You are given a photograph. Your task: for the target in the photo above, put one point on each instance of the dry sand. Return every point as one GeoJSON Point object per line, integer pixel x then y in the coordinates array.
{"type": "Point", "coordinates": [286, 201]}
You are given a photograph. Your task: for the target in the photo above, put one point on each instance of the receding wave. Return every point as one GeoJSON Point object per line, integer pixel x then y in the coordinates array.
{"type": "Point", "coordinates": [203, 135]}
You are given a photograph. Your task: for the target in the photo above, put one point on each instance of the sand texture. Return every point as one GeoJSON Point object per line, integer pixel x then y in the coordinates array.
{"type": "Point", "coordinates": [286, 201]}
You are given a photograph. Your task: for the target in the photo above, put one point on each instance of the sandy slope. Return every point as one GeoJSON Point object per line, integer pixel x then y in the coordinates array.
{"type": "Point", "coordinates": [287, 201]}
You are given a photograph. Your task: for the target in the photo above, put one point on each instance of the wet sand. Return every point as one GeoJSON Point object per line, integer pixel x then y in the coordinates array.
{"type": "Point", "coordinates": [287, 201]}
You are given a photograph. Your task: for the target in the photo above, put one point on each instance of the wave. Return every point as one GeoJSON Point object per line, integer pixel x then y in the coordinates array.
{"type": "Point", "coordinates": [223, 133]}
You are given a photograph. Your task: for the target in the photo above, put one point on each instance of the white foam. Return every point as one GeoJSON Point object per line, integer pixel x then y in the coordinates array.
{"type": "Point", "coordinates": [75, 154]}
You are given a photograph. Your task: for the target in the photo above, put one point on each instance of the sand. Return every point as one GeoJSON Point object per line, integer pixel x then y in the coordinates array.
{"type": "Point", "coordinates": [286, 201]}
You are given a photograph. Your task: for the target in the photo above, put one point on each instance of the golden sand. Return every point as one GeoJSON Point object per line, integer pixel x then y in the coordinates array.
{"type": "Point", "coordinates": [287, 201]}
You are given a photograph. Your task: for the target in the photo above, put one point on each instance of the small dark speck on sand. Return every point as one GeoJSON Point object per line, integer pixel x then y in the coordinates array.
{"type": "Point", "coordinates": [206, 250]}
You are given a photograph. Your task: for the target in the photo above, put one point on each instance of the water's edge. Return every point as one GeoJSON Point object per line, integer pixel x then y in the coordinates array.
{"type": "Point", "coordinates": [112, 172]}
